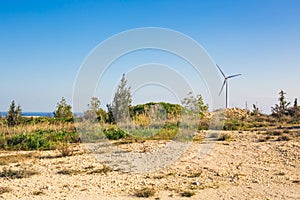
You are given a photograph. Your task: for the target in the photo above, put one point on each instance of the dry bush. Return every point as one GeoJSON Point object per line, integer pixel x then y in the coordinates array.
{"type": "Point", "coordinates": [195, 174]}
{"type": "Point", "coordinates": [4, 190]}
{"type": "Point", "coordinates": [145, 192]}
{"type": "Point", "coordinates": [69, 172]}
{"type": "Point", "coordinates": [283, 138]}
{"type": "Point", "coordinates": [225, 137]}
{"type": "Point", "coordinates": [274, 132]}
{"type": "Point", "coordinates": [104, 170]}
{"type": "Point", "coordinates": [264, 138]}
{"type": "Point", "coordinates": [187, 193]}
{"type": "Point", "coordinates": [37, 193]}
{"type": "Point", "coordinates": [66, 149]}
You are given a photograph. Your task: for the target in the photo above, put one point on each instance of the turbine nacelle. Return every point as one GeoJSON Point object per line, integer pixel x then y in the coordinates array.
{"type": "Point", "coordinates": [226, 83]}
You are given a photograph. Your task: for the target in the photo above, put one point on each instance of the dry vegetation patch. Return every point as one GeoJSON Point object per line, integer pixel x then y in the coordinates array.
{"type": "Point", "coordinates": [15, 158]}
{"type": "Point", "coordinates": [5, 190]}
{"type": "Point", "coordinates": [187, 193]}
{"type": "Point", "coordinates": [17, 174]}
{"type": "Point", "coordinates": [145, 192]}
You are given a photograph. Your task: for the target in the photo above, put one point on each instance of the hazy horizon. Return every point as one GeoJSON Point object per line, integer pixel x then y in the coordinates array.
{"type": "Point", "coordinates": [44, 43]}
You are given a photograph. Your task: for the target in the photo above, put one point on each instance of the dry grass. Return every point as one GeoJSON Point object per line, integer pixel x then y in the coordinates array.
{"type": "Point", "coordinates": [30, 128]}
{"type": "Point", "coordinates": [283, 138]}
{"type": "Point", "coordinates": [88, 170]}
{"type": "Point", "coordinates": [7, 159]}
{"type": "Point", "coordinates": [17, 174]}
{"type": "Point", "coordinates": [66, 149]}
{"type": "Point", "coordinates": [195, 174]}
{"type": "Point", "coordinates": [104, 170]}
{"type": "Point", "coordinates": [69, 172]}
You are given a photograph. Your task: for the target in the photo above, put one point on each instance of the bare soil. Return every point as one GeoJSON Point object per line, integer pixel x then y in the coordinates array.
{"type": "Point", "coordinates": [247, 165]}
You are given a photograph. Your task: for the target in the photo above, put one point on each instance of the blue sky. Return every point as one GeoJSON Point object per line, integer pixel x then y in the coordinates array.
{"type": "Point", "coordinates": [43, 44]}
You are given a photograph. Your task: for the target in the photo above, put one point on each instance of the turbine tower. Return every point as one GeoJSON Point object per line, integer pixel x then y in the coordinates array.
{"type": "Point", "coordinates": [226, 82]}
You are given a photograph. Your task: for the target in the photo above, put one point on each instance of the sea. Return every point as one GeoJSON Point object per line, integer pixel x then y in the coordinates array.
{"type": "Point", "coordinates": [39, 114]}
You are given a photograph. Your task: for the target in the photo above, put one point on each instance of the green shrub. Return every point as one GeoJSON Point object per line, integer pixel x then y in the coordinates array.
{"type": "Point", "coordinates": [233, 124]}
{"type": "Point", "coordinates": [114, 133]}
{"type": "Point", "coordinates": [38, 140]}
{"type": "Point", "coordinates": [169, 131]}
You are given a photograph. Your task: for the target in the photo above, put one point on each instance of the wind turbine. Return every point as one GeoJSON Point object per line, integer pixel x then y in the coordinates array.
{"type": "Point", "coordinates": [226, 83]}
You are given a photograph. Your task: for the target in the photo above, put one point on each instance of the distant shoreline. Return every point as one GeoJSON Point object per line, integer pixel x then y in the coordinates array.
{"type": "Point", "coordinates": [38, 114]}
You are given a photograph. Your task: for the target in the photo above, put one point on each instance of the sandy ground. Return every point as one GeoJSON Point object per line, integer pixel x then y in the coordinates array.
{"type": "Point", "coordinates": [244, 167]}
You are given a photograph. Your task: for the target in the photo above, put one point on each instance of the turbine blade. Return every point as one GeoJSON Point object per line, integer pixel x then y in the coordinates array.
{"type": "Point", "coordinates": [221, 71]}
{"type": "Point", "coordinates": [222, 87]}
{"type": "Point", "coordinates": [233, 75]}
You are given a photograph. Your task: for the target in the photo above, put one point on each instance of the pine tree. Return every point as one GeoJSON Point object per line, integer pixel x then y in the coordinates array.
{"type": "Point", "coordinates": [63, 111]}
{"type": "Point", "coordinates": [283, 104]}
{"type": "Point", "coordinates": [121, 102]}
{"type": "Point", "coordinates": [295, 111]}
{"type": "Point", "coordinates": [282, 108]}
{"type": "Point", "coordinates": [14, 114]}
{"type": "Point", "coordinates": [255, 110]}
{"type": "Point", "coordinates": [296, 103]}
{"type": "Point", "coordinates": [110, 114]}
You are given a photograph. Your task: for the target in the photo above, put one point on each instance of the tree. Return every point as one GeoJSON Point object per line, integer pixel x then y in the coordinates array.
{"type": "Point", "coordinates": [94, 112]}
{"type": "Point", "coordinates": [282, 108]}
{"type": "Point", "coordinates": [255, 110]}
{"type": "Point", "coordinates": [195, 104]}
{"type": "Point", "coordinates": [14, 114]}
{"type": "Point", "coordinates": [295, 103]}
{"type": "Point", "coordinates": [110, 114]}
{"type": "Point", "coordinates": [63, 110]}
{"type": "Point", "coordinates": [121, 102]}
{"type": "Point", "coordinates": [295, 111]}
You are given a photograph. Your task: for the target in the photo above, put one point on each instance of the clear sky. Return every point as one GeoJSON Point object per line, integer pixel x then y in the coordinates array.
{"type": "Point", "coordinates": [44, 42]}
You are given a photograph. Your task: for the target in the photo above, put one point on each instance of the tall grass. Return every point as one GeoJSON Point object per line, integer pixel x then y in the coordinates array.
{"type": "Point", "coordinates": [37, 134]}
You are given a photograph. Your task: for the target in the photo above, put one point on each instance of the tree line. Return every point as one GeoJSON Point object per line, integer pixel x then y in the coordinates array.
{"type": "Point", "coordinates": [121, 110]}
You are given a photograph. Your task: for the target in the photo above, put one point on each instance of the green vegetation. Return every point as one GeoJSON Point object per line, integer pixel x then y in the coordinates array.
{"type": "Point", "coordinates": [114, 133]}
{"type": "Point", "coordinates": [14, 115]}
{"type": "Point", "coordinates": [95, 113]}
{"type": "Point", "coordinates": [63, 111]}
{"type": "Point", "coordinates": [121, 102]}
{"type": "Point", "coordinates": [39, 139]}
{"type": "Point", "coordinates": [282, 115]}
{"type": "Point", "coordinates": [195, 104]}
{"type": "Point", "coordinates": [153, 120]}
